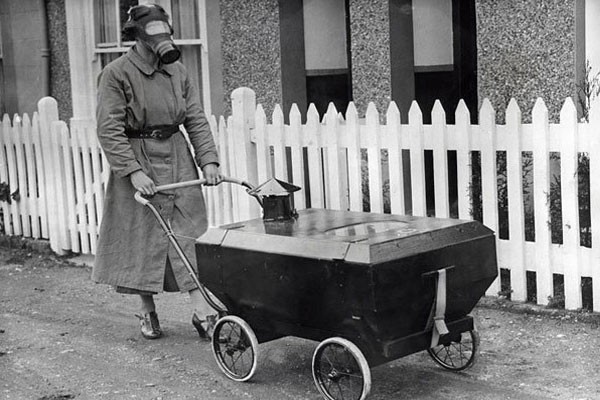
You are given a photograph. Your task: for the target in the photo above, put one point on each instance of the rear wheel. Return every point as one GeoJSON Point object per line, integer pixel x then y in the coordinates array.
{"type": "Point", "coordinates": [235, 348]}
{"type": "Point", "coordinates": [340, 370]}
{"type": "Point", "coordinates": [458, 353]}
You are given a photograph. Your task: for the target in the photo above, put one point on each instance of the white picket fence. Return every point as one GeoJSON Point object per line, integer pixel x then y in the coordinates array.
{"type": "Point", "coordinates": [60, 175]}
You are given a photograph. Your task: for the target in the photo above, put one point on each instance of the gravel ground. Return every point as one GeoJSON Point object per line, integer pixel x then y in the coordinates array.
{"type": "Point", "coordinates": [63, 337]}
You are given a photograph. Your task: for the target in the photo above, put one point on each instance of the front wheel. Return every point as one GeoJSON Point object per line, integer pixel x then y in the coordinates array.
{"type": "Point", "coordinates": [340, 370]}
{"type": "Point", "coordinates": [458, 353]}
{"type": "Point", "coordinates": [235, 348]}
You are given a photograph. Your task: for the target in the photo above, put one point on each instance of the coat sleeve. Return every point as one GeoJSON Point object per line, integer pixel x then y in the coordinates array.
{"type": "Point", "coordinates": [197, 127]}
{"type": "Point", "coordinates": [110, 116]}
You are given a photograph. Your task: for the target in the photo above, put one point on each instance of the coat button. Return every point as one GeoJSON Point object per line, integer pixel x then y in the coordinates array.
{"type": "Point", "coordinates": [171, 196]}
{"type": "Point", "coordinates": [167, 160]}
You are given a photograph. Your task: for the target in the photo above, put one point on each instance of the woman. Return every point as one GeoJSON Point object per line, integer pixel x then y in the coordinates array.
{"type": "Point", "coordinates": [143, 98]}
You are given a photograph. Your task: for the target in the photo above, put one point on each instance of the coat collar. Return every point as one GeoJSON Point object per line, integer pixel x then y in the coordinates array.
{"type": "Point", "coordinates": [146, 68]}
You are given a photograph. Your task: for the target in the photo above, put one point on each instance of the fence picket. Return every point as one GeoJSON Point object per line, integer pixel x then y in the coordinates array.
{"type": "Point", "coordinates": [277, 139]}
{"type": "Point", "coordinates": [354, 159]}
{"type": "Point", "coordinates": [89, 204]}
{"type": "Point", "coordinates": [13, 179]}
{"type": "Point", "coordinates": [541, 188]}
{"type": "Point", "coordinates": [333, 175]}
{"type": "Point", "coordinates": [516, 225]}
{"type": "Point", "coordinates": [66, 145]}
{"type": "Point", "coordinates": [297, 160]}
{"type": "Point", "coordinates": [417, 160]}
{"type": "Point", "coordinates": [440, 161]}
{"type": "Point", "coordinates": [225, 170]}
{"type": "Point", "coordinates": [396, 174]}
{"type": "Point", "coordinates": [489, 185]}
{"type": "Point", "coordinates": [373, 134]}
{"type": "Point", "coordinates": [263, 152]}
{"type": "Point", "coordinates": [315, 161]}
{"type": "Point", "coordinates": [594, 155]}
{"type": "Point", "coordinates": [21, 169]}
{"type": "Point", "coordinates": [570, 209]}
{"type": "Point", "coordinates": [78, 153]}
{"type": "Point", "coordinates": [6, 206]}
{"type": "Point", "coordinates": [32, 197]}
{"type": "Point", "coordinates": [463, 160]}
{"type": "Point", "coordinates": [59, 185]}
{"type": "Point", "coordinates": [41, 176]}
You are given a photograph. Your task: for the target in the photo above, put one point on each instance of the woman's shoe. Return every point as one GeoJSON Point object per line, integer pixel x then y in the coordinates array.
{"type": "Point", "coordinates": [205, 327]}
{"type": "Point", "coordinates": [149, 325]}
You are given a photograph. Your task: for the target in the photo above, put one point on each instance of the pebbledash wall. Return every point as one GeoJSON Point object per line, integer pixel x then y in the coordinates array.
{"type": "Point", "coordinates": [250, 49]}
{"type": "Point", "coordinates": [529, 49]}
{"type": "Point", "coordinates": [60, 77]}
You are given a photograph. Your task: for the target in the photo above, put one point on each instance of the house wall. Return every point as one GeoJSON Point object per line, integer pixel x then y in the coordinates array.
{"type": "Point", "coordinates": [22, 47]}
{"type": "Point", "coordinates": [526, 50]}
{"type": "Point", "coordinates": [60, 76]}
{"type": "Point", "coordinates": [370, 54]}
{"type": "Point", "coordinates": [251, 50]}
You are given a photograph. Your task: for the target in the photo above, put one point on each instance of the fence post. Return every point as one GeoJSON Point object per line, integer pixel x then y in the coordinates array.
{"type": "Point", "coordinates": [48, 114]}
{"type": "Point", "coordinates": [243, 105]}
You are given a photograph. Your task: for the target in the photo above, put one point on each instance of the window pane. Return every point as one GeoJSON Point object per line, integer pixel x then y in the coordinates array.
{"type": "Point", "coordinates": [108, 29]}
{"type": "Point", "coordinates": [125, 6]}
{"type": "Point", "coordinates": [185, 19]}
{"type": "Point", "coordinates": [106, 58]}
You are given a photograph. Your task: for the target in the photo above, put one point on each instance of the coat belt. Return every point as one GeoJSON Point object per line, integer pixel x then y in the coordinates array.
{"type": "Point", "coordinates": [159, 132]}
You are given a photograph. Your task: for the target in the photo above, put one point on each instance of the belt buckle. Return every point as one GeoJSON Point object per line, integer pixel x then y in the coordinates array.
{"type": "Point", "coordinates": [155, 134]}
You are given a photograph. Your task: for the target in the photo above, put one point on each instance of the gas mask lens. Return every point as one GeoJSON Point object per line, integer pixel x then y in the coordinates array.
{"type": "Point", "coordinates": [157, 28]}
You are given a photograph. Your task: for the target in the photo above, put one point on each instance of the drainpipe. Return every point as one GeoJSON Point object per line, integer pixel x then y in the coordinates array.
{"type": "Point", "coordinates": [44, 50]}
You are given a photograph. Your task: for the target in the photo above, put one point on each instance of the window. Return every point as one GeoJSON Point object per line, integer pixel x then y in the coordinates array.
{"type": "Point", "coordinates": [187, 18]}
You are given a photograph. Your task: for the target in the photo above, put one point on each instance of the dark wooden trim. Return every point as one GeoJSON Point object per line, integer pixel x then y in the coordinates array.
{"type": "Point", "coordinates": [402, 57]}
{"type": "Point", "coordinates": [293, 69]}
{"type": "Point", "coordinates": [434, 68]}
{"type": "Point", "coordinates": [465, 52]}
{"type": "Point", "coordinates": [322, 72]}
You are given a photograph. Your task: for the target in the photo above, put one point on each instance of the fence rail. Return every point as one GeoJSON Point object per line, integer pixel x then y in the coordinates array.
{"type": "Point", "coordinates": [504, 174]}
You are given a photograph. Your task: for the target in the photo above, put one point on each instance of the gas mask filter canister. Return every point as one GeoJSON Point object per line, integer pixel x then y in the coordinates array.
{"type": "Point", "coordinates": [150, 24]}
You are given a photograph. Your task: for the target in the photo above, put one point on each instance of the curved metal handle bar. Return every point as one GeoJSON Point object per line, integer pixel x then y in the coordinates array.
{"type": "Point", "coordinates": [171, 235]}
{"type": "Point", "coordinates": [170, 186]}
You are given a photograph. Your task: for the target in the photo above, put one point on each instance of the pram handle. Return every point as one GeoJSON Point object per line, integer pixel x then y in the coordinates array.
{"type": "Point", "coordinates": [170, 186]}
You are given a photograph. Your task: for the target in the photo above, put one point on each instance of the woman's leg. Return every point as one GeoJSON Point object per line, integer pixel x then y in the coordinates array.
{"type": "Point", "coordinates": [148, 319]}
{"type": "Point", "coordinates": [147, 303]}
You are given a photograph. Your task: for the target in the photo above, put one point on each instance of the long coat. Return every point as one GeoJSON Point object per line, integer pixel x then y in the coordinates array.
{"type": "Point", "coordinates": [132, 248]}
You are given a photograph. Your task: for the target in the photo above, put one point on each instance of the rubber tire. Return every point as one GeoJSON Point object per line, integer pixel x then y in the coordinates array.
{"type": "Point", "coordinates": [470, 361]}
{"type": "Point", "coordinates": [250, 336]}
{"type": "Point", "coordinates": [358, 357]}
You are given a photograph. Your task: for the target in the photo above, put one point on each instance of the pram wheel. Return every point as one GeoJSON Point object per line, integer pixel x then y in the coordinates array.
{"type": "Point", "coordinates": [458, 353]}
{"type": "Point", "coordinates": [235, 348]}
{"type": "Point", "coordinates": [340, 370]}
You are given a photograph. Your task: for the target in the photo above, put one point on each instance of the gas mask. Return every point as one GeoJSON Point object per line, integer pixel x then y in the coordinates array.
{"type": "Point", "coordinates": [150, 24]}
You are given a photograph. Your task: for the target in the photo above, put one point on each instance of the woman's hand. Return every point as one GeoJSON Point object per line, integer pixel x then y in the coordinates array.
{"type": "Point", "coordinates": [211, 174]}
{"type": "Point", "coordinates": [142, 183]}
